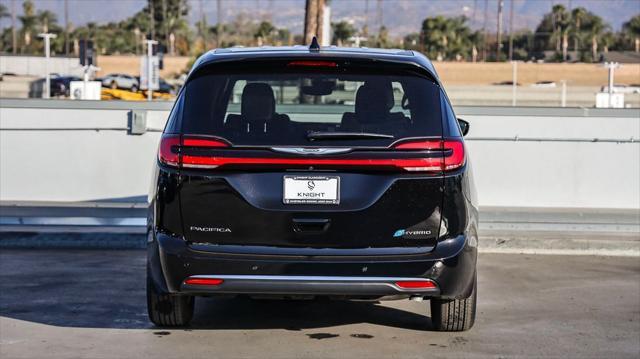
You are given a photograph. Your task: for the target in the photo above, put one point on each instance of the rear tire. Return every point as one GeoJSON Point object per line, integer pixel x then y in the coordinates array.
{"type": "Point", "coordinates": [114, 85]}
{"type": "Point", "coordinates": [134, 88]}
{"type": "Point", "coordinates": [168, 310]}
{"type": "Point", "coordinates": [454, 315]}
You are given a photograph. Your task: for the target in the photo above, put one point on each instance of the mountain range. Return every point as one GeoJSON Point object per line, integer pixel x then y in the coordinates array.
{"type": "Point", "coordinates": [400, 17]}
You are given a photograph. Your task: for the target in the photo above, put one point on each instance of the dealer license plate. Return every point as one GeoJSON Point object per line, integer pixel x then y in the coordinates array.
{"type": "Point", "coordinates": [311, 190]}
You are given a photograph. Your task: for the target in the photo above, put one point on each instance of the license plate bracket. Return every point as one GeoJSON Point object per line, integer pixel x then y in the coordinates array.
{"type": "Point", "coordinates": [311, 190]}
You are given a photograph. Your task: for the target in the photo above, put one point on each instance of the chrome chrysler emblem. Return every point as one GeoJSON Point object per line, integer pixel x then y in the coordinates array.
{"type": "Point", "coordinates": [311, 150]}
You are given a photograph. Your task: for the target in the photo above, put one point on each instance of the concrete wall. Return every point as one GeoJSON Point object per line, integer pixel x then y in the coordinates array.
{"type": "Point", "coordinates": [35, 65]}
{"type": "Point", "coordinates": [522, 157]}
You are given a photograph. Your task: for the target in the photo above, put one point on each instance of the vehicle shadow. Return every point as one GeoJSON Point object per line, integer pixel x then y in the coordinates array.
{"type": "Point", "coordinates": [106, 289]}
{"type": "Point", "coordinates": [247, 313]}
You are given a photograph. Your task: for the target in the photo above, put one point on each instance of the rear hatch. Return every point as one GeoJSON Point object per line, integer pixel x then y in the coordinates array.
{"type": "Point", "coordinates": [306, 153]}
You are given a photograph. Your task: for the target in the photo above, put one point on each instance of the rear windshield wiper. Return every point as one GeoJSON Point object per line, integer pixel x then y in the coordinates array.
{"type": "Point", "coordinates": [316, 135]}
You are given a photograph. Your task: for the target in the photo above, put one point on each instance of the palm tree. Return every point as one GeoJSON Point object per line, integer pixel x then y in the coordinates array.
{"type": "Point", "coordinates": [596, 27]}
{"type": "Point", "coordinates": [631, 29]}
{"type": "Point", "coordinates": [578, 16]}
{"type": "Point", "coordinates": [608, 40]}
{"type": "Point", "coordinates": [46, 20]}
{"type": "Point", "coordinates": [29, 21]}
{"type": "Point", "coordinates": [446, 37]}
{"type": "Point", "coordinates": [342, 31]}
{"type": "Point", "coordinates": [264, 32]}
{"type": "Point", "coordinates": [560, 23]}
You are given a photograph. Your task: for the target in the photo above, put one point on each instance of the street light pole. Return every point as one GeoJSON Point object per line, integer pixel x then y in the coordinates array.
{"type": "Point", "coordinates": [612, 66]}
{"type": "Point", "coordinates": [47, 53]}
{"type": "Point", "coordinates": [514, 79]}
{"type": "Point", "coordinates": [150, 44]}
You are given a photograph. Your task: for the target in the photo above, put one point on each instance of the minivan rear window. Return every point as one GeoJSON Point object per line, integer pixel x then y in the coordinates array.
{"type": "Point", "coordinates": [287, 105]}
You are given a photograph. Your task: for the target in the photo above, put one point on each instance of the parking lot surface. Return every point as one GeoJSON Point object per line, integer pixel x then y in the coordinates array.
{"type": "Point", "coordinates": [91, 303]}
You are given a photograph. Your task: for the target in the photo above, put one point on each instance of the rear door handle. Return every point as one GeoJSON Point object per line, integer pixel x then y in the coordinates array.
{"type": "Point", "coordinates": [310, 225]}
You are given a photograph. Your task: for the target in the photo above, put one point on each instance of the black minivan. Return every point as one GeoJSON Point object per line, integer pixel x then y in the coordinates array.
{"type": "Point", "coordinates": [303, 172]}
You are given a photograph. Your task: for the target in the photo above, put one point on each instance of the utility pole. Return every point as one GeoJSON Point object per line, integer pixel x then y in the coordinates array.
{"type": "Point", "coordinates": [219, 23]}
{"type": "Point", "coordinates": [150, 44]}
{"type": "Point", "coordinates": [310, 21]}
{"type": "Point", "coordinates": [379, 19]}
{"type": "Point", "coordinates": [66, 27]}
{"type": "Point", "coordinates": [14, 39]}
{"type": "Point", "coordinates": [499, 34]}
{"type": "Point", "coordinates": [511, 30]}
{"type": "Point", "coordinates": [165, 22]}
{"type": "Point", "coordinates": [484, 30]}
{"type": "Point", "coordinates": [514, 79]}
{"type": "Point", "coordinates": [320, 22]}
{"type": "Point", "coordinates": [152, 20]}
{"type": "Point", "coordinates": [47, 47]}
{"type": "Point", "coordinates": [612, 66]}
{"type": "Point", "coordinates": [202, 28]}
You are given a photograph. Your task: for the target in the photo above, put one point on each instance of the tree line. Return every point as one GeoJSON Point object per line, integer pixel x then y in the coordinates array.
{"type": "Point", "coordinates": [561, 35]}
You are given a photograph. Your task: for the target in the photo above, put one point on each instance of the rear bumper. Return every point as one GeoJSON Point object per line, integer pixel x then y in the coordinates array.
{"type": "Point", "coordinates": [451, 266]}
{"type": "Point", "coordinates": [310, 285]}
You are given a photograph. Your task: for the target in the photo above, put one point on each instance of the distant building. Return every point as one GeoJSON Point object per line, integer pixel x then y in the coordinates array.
{"type": "Point", "coordinates": [623, 57]}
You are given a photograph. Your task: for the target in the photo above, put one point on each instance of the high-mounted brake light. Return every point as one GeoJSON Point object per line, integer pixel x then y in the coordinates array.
{"type": "Point", "coordinates": [415, 284]}
{"type": "Point", "coordinates": [203, 281]}
{"type": "Point", "coordinates": [313, 63]}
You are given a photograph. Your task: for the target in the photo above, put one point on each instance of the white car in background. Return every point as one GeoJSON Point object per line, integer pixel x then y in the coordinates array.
{"type": "Point", "coordinates": [121, 81]}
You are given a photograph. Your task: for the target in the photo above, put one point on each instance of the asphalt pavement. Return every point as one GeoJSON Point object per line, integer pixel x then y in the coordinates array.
{"type": "Point", "coordinates": [91, 304]}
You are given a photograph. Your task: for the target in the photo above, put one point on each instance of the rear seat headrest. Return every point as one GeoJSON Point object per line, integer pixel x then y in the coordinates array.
{"type": "Point", "coordinates": [258, 102]}
{"type": "Point", "coordinates": [374, 100]}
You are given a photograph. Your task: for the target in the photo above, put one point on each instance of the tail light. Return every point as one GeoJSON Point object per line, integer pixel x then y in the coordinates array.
{"type": "Point", "coordinates": [452, 154]}
{"type": "Point", "coordinates": [169, 152]}
{"type": "Point", "coordinates": [440, 155]}
{"type": "Point", "coordinates": [171, 145]}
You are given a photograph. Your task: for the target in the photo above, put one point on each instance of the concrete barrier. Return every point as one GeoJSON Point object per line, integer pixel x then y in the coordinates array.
{"type": "Point", "coordinates": [65, 151]}
{"type": "Point", "coordinates": [36, 65]}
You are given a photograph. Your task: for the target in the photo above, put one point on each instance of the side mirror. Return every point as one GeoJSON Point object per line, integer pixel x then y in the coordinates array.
{"type": "Point", "coordinates": [464, 126]}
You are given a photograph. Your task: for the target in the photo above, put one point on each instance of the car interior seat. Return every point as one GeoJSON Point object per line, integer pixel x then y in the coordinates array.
{"type": "Point", "coordinates": [374, 101]}
{"type": "Point", "coordinates": [257, 112]}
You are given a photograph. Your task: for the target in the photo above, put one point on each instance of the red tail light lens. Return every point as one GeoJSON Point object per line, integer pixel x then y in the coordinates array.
{"type": "Point", "coordinates": [203, 142]}
{"type": "Point", "coordinates": [203, 281]}
{"type": "Point", "coordinates": [416, 284]}
{"type": "Point", "coordinates": [171, 145]}
{"type": "Point", "coordinates": [453, 155]}
{"type": "Point", "coordinates": [169, 152]}
{"type": "Point", "coordinates": [419, 145]}
{"type": "Point", "coordinates": [457, 157]}
{"type": "Point", "coordinates": [442, 155]}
